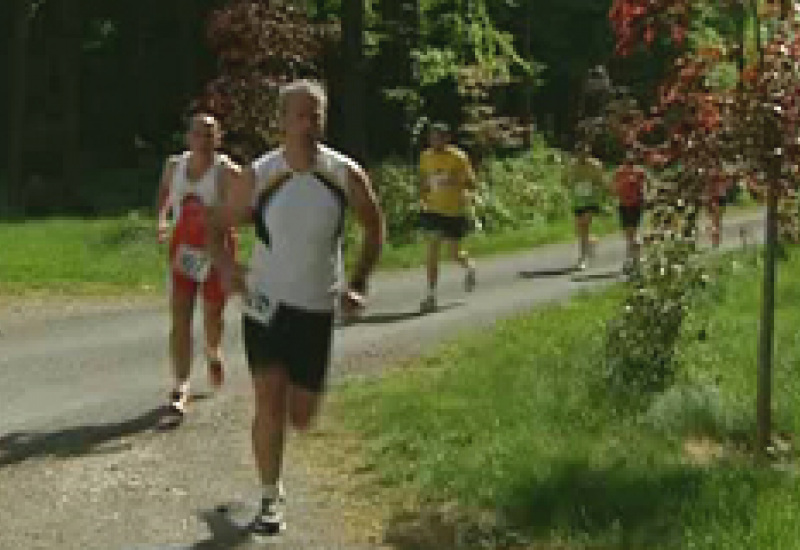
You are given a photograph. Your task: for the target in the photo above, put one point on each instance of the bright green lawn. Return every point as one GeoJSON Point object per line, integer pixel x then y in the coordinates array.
{"type": "Point", "coordinates": [517, 421]}
{"type": "Point", "coordinates": [120, 255]}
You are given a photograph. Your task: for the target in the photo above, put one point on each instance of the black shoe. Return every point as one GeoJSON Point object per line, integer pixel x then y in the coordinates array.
{"type": "Point", "coordinates": [175, 411]}
{"type": "Point", "coordinates": [268, 524]}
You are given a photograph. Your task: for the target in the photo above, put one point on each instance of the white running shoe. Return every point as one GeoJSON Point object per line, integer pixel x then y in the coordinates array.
{"type": "Point", "coordinates": [268, 525]}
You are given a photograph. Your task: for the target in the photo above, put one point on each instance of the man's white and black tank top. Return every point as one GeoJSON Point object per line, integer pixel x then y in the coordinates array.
{"type": "Point", "coordinates": [299, 220]}
{"type": "Point", "coordinates": [206, 188]}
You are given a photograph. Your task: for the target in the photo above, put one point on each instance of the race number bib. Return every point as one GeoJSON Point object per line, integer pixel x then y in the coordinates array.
{"type": "Point", "coordinates": [259, 307]}
{"type": "Point", "coordinates": [193, 262]}
{"type": "Point", "coordinates": [438, 181]}
{"type": "Point", "coordinates": [584, 189]}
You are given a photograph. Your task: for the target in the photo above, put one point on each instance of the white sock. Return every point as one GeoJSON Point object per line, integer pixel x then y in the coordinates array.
{"type": "Point", "coordinates": [272, 491]}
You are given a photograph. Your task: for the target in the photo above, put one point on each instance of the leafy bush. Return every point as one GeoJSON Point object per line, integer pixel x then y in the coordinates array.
{"type": "Point", "coordinates": [514, 192]}
{"type": "Point", "coordinates": [642, 338]}
{"type": "Point", "coordinates": [398, 189]}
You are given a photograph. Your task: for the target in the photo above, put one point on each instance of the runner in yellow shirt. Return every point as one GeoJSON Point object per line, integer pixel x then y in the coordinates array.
{"type": "Point", "coordinates": [446, 179]}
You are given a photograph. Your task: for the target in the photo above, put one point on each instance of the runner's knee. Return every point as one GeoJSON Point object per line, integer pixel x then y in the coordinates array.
{"type": "Point", "coordinates": [301, 420]}
{"type": "Point", "coordinates": [270, 395]}
{"type": "Point", "coordinates": [302, 409]}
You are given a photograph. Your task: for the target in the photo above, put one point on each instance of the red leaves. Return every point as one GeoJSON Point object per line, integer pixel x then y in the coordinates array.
{"type": "Point", "coordinates": [678, 33]}
{"type": "Point", "coordinates": [707, 138]}
{"type": "Point", "coordinates": [260, 45]}
{"type": "Point", "coordinates": [639, 22]}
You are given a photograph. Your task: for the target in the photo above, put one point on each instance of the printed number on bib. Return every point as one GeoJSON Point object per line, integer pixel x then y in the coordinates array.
{"type": "Point", "coordinates": [584, 189]}
{"type": "Point", "coordinates": [193, 263]}
{"type": "Point", "coordinates": [260, 307]}
{"type": "Point", "coordinates": [438, 181]}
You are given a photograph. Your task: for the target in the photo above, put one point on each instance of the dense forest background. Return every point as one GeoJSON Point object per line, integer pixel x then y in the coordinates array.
{"type": "Point", "coordinates": [96, 91]}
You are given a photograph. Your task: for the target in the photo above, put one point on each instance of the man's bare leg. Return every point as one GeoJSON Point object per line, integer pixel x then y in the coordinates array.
{"type": "Point", "coordinates": [180, 340]}
{"type": "Point", "coordinates": [582, 224]}
{"type": "Point", "coordinates": [461, 257]}
{"type": "Point", "coordinates": [214, 322]}
{"type": "Point", "coordinates": [269, 425]}
{"type": "Point", "coordinates": [429, 304]}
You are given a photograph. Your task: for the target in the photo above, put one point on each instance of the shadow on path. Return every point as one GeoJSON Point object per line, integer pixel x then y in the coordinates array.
{"type": "Point", "coordinates": [17, 447]}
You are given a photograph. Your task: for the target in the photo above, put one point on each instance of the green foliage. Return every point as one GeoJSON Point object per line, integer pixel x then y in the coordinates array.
{"type": "Point", "coordinates": [398, 188]}
{"type": "Point", "coordinates": [511, 424]}
{"type": "Point", "coordinates": [641, 338]}
{"type": "Point", "coordinates": [515, 192]}
{"type": "Point", "coordinates": [456, 38]}
{"type": "Point", "coordinates": [523, 190]}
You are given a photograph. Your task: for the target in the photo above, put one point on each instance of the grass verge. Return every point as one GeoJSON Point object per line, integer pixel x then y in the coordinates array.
{"type": "Point", "coordinates": [515, 424]}
{"type": "Point", "coordinates": [120, 255]}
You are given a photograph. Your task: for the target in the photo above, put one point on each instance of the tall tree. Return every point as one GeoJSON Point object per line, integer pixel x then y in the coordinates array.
{"type": "Point", "coordinates": [70, 15]}
{"type": "Point", "coordinates": [773, 140]}
{"type": "Point", "coordinates": [355, 82]}
{"type": "Point", "coordinates": [17, 93]}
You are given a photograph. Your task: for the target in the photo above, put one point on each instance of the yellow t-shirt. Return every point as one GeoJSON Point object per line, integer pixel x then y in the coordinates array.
{"type": "Point", "coordinates": [448, 176]}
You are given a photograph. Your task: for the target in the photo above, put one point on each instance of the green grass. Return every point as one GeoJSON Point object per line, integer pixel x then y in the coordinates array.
{"type": "Point", "coordinates": [120, 254]}
{"type": "Point", "coordinates": [76, 256]}
{"type": "Point", "coordinates": [517, 421]}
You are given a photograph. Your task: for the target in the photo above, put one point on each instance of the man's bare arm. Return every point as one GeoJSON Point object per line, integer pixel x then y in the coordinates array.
{"type": "Point", "coordinates": [370, 216]}
{"type": "Point", "coordinates": [234, 210]}
{"type": "Point", "coordinates": [162, 198]}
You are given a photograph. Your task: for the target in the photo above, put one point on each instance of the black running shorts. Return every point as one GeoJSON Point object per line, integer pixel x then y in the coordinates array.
{"type": "Point", "coordinates": [296, 340]}
{"type": "Point", "coordinates": [448, 227]}
{"type": "Point", "coordinates": [589, 209]}
{"type": "Point", "coordinates": [630, 216]}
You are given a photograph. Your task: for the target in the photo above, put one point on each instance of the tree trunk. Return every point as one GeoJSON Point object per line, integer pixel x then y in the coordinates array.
{"type": "Point", "coordinates": [189, 19]}
{"type": "Point", "coordinates": [141, 76]}
{"type": "Point", "coordinates": [527, 117]}
{"type": "Point", "coordinates": [741, 33]}
{"type": "Point", "coordinates": [70, 97]}
{"type": "Point", "coordinates": [767, 329]}
{"type": "Point", "coordinates": [766, 336]}
{"type": "Point", "coordinates": [355, 85]}
{"type": "Point", "coordinates": [17, 107]}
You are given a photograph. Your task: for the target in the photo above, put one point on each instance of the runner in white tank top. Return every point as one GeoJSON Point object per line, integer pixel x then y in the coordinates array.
{"type": "Point", "coordinates": [299, 220]}
{"type": "Point", "coordinates": [192, 183]}
{"type": "Point", "coordinates": [295, 196]}
{"type": "Point", "coordinates": [206, 188]}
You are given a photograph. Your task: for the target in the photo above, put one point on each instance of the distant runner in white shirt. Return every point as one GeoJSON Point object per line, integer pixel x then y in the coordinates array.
{"type": "Point", "coordinates": [296, 196]}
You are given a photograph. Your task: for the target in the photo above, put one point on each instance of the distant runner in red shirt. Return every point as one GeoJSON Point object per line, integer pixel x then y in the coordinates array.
{"type": "Point", "coordinates": [716, 201]}
{"type": "Point", "coordinates": [629, 186]}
